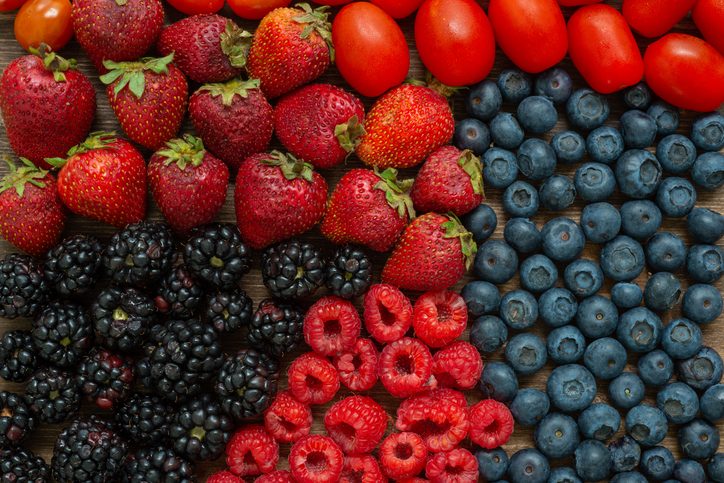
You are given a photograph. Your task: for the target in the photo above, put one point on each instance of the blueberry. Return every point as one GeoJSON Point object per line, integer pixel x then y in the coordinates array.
{"type": "Point", "coordinates": [536, 159]}
{"type": "Point", "coordinates": [638, 173]}
{"type": "Point", "coordinates": [646, 424]}
{"type": "Point", "coordinates": [682, 339]}
{"type": "Point", "coordinates": [492, 464]}
{"type": "Point", "coordinates": [676, 153]}
{"type": "Point", "coordinates": [522, 235]}
{"type": "Point", "coordinates": [665, 116]}
{"type": "Point", "coordinates": [506, 131]}
{"type": "Point", "coordinates": [564, 475]}
{"type": "Point", "coordinates": [698, 440]}
{"type": "Point", "coordinates": [655, 368]}
{"type": "Point", "coordinates": [640, 219]}
{"type": "Point", "coordinates": [557, 307]}
{"type": "Point", "coordinates": [625, 453]}
{"type": "Point", "coordinates": [657, 463]}
{"type": "Point", "coordinates": [597, 317]}
{"type": "Point", "coordinates": [702, 370]}
{"type": "Point", "coordinates": [639, 330]}
{"type": "Point", "coordinates": [705, 263]}
{"type": "Point", "coordinates": [662, 291]}
{"type": "Point", "coordinates": [481, 298]}
{"type": "Point", "coordinates": [594, 182]}
{"type": "Point", "coordinates": [708, 171]}
{"type": "Point", "coordinates": [500, 168]}
{"type": "Point", "coordinates": [484, 100]}
{"type": "Point", "coordinates": [605, 358]}
{"type": "Point", "coordinates": [520, 199]}
{"type": "Point", "coordinates": [530, 406]}
{"type": "Point", "coordinates": [665, 252]}
{"type": "Point", "coordinates": [481, 222]}
{"type": "Point", "coordinates": [689, 471]}
{"type": "Point", "coordinates": [528, 466]}
{"type": "Point", "coordinates": [605, 144]}
{"type": "Point", "coordinates": [537, 114]}
{"type": "Point", "coordinates": [583, 277]}
{"type": "Point", "coordinates": [599, 421]}
{"type": "Point", "coordinates": [715, 468]}
{"type": "Point", "coordinates": [637, 96]}
{"type": "Point", "coordinates": [498, 381]}
{"type": "Point", "coordinates": [488, 333]}
{"type": "Point", "coordinates": [519, 309]}
{"type": "Point", "coordinates": [626, 391]}
{"type": "Point", "coordinates": [538, 273]}
{"type": "Point", "coordinates": [676, 197]}
{"type": "Point", "coordinates": [593, 460]}
{"type": "Point", "coordinates": [565, 344]}
{"type": "Point", "coordinates": [712, 403]}
{"type": "Point", "coordinates": [515, 85]}
{"type": "Point", "coordinates": [638, 129]}
{"type": "Point", "coordinates": [557, 193]}
{"type": "Point", "coordinates": [571, 387]}
{"type": "Point", "coordinates": [600, 222]}
{"type": "Point", "coordinates": [569, 146]}
{"type": "Point", "coordinates": [586, 109]}
{"type": "Point", "coordinates": [629, 477]}
{"type": "Point", "coordinates": [626, 295]}
{"type": "Point", "coordinates": [678, 402]}
{"type": "Point", "coordinates": [526, 353]}
{"type": "Point", "coordinates": [705, 225]}
{"type": "Point", "coordinates": [563, 239]}
{"type": "Point", "coordinates": [556, 435]}
{"type": "Point", "coordinates": [495, 262]}
{"type": "Point", "coordinates": [622, 259]}
{"type": "Point", "coordinates": [707, 132]}
{"type": "Point", "coordinates": [555, 84]}
{"type": "Point", "coordinates": [472, 134]}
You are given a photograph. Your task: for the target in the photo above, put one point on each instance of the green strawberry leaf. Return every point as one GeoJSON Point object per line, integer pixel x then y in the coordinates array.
{"type": "Point", "coordinates": [472, 166]}
{"type": "Point", "coordinates": [290, 166]}
{"type": "Point", "coordinates": [53, 62]}
{"type": "Point", "coordinates": [227, 91]}
{"type": "Point", "coordinates": [349, 133]}
{"type": "Point", "coordinates": [137, 83]}
{"type": "Point", "coordinates": [185, 151]}
{"type": "Point", "coordinates": [235, 44]}
{"type": "Point", "coordinates": [132, 74]}
{"type": "Point", "coordinates": [455, 229]}
{"type": "Point", "coordinates": [396, 192]}
{"type": "Point", "coordinates": [316, 20]}
{"type": "Point", "coordinates": [18, 178]}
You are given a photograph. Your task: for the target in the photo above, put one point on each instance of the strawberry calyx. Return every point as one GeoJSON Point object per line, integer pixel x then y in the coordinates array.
{"type": "Point", "coordinates": [95, 140]}
{"type": "Point", "coordinates": [186, 151]}
{"type": "Point", "coordinates": [121, 3]}
{"type": "Point", "coordinates": [18, 177]}
{"type": "Point", "coordinates": [433, 84]}
{"type": "Point", "coordinates": [132, 74]}
{"type": "Point", "coordinates": [471, 165]}
{"type": "Point", "coordinates": [290, 166]}
{"type": "Point", "coordinates": [349, 133]}
{"type": "Point", "coordinates": [396, 192]}
{"type": "Point", "coordinates": [455, 229]}
{"type": "Point", "coordinates": [227, 91]}
{"type": "Point", "coordinates": [53, 62]}
{"type": "Point", "coordinates": [316, 20]}
{"type": "Point", "coordinates": [235, 44]}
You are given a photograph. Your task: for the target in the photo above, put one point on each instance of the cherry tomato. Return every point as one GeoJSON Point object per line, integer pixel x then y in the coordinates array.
{"type": "Point", "coordinates": [195, 7]}
{"type": "Point", "coordinates": [532, 33]}
{"type": "Point", "coordinates": [709, 18]}
{"type": "Point", "coordinates": [455, 41]}
{"type": "Point", "coordinates": [44, 21]}
{"type": "Point", "coordinates": [255, 9]}
{"type": "Point", "coordinates": [10, 5]}
{"type": "Point", "coordinates": [575, 3]}
{"type": "Point", "coordinates": [603, 49]}
{"type": "Point", "coordinates": [371, 51]}
{"type": "Point", "coordinates": [686, 71]}
{"type": "Point", "coordinates": [398, 8]}
{"type": "Point", "coordinates": [653, 18]}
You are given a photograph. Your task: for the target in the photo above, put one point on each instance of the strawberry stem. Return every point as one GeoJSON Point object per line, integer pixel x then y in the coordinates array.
{"type": "Point", "coordinates": [95, 140]}
{"type": "Point", "coordinates": [471, 165]}
{"type": "Point", "coordinates": [235, 44]}
{"type": "Point", "coordinates": [188, 150]}
{"type": "Point", "coordinates": [290, 166]}
{"type": "Point", "coordinates": [316, 20]}
{"type": "Point", "coordinates": [17, 178]}
{"type": "Point", "coordinates": [53, 62]}
{"type": "Point", "coordinates": [227, 91]}
{"type": "Point", "coordinates": [349, 133]}
{"type": "Point", "coordinates": [396, 192]}
{"type": "Point", "coordinates": [455, 229]}
{"type": "Point", "coordinates": [131, 74]}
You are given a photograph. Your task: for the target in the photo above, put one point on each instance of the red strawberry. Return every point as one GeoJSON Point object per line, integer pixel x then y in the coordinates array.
{"type": "Point", "coordinates": [104, 178]}
{"type": "Point", "coordinates": [188, 183]}
{"type": "Point", "coordinates": [207, 48]}
{"type": "Point", "coordinates": [368, 208]}
{"type": "Point", "coordinates": [31, 214]}
{"type": "Point", "coordinates": [319, 123]}
{"type": "Point", "coordinates": [234, 119]}
{"type": "Point", "coordinates": [277, 197]}
{"type": "Point", "coordinates": [47, 106]}
{"type": "Point", "coordinates": [450, 180]}
{"type": "Point", "coordinates": [291, 47]}
{"type": "Point", "coordinates": [404, 126]}
{"type": "Point", "coordinates": [434, 253]}
{"type": "Point", "coordinates": [148, 97]}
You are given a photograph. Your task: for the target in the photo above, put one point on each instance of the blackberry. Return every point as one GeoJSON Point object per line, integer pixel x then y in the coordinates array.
{"type": "Point", "coordinates": [247, 383]}
{"type": "Point", "coordinates": [349, 273]}
{"type": "Point", "coordinates": [139, 254]}
{"type": "Point", "coordinates": [179, 295]}
{"type": "Point", "coordinates": [156, 465]}
{"type": "Point", "coordinates": [276, 327]}
{"type": "Point", "coordinates": [23, 289]}
{"type": "Point", "coordinates": [144, 419]}
{"type": "Point", "coordinates": [292, 269]}
{"type": "Point", "coordinates": [62, 333]}
{"type": "Point", "coordinates": [216, 255]}
{"type": "Point", "coordinates": [122, 318]}
{"type": "Point", "coordinates": [200, 429]}
{"type": "Point", "coordinates": [18, 358]}
{"type": "Point", "coordinates": [105, 378]}
{"type": "Point", "coordinates": [182, 356]}
{"type": "Point", "coordinates": [19, 465]}
{"type": "Point", "coordinates": [53, 395]}
{"type": "Point", "coordinates": [88, 450]}
{"type": "Point", "coordinates": [16, 420]}
{"type": "Point", "coordinates": [71, 268]}
{"type": "Point", "coordinates": [228, 311]}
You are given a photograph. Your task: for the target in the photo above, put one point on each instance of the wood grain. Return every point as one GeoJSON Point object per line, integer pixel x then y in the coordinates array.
{"type": "Point", "coordinates": [43, 439]}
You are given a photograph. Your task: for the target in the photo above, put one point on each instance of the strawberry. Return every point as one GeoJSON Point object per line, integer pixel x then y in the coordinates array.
{"type": "Point", "coordinates": [117, 30]}
{"type": "Point", "coordinates": [404, 126]}
{"type": "Point", "coordinates": [234, 119]}
{"type": "Point", "coordinates": [188, 183]}
{"type": "Point", "coordinates": [433, 253]}
{"type": "Point", "coordinates": [104, 178]}
{"type": "Point", "coordinates": [291, 47]}
{"type": "Point", "coordinates": [368, 208]}
{"type": "Point", "coordinates": [277, 197]}
{"type": "Point", "coordinates": [149, 98]}
{"type": "Point", "coordinates": [319, 123]}
{"type": "Point", "coordinates": [450, 180]}
{"type": "Point", "coordinates": [31, 214]}
{"type": "Point", "coordinates": [47, 106]}
{"type": "Point", "coordinates": [207, 48]}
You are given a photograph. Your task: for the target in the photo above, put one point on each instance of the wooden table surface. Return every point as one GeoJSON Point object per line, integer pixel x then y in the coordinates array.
{"type": "Point", "coordinates": [44, 437]}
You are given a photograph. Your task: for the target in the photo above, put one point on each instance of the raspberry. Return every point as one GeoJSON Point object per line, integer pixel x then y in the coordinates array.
{"type": "Point", "coordinates": [356, 424]}
{"type": "Point", "coordinates": [402, 455]}
{"type": "Point", "coordinates": [361, 469]}
{"type": "Point", "coordinates": [224, 477]}
{"type": "Point", "coordinates": [316, 459]}
{"type": "Point", "coordinates": [491, 424]}
{"type": "Point", "coordinates": [287, 419]}
{"type": "Point", "coordinates": [456, 466]}
{"type": "Point", "coordinates": [252, 451]}
{"type": "Point", "coordinates": [387, 313]}
{"type": "Point", "coordinates": [358, 367]}
{"type": "Point", "coordinates": [457, 365]}
{"type": "Point", "coordinates": [332, 325]}
{"type": "Point", "coordinates": [280, 476]}
{"type": "Point", "coordinates": [413, 480]}
{"type": "Point", "coordinates": [440, 417]}
{"type": "Point", "coordinates": [439, 317]}
{"type": "Point", "coordinates": [405, 367]}
{"type": "Point", "coordinates": [312, 379]}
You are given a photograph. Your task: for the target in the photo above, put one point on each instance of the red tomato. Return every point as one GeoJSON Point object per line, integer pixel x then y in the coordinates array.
{"type": "Point", "coordinates": [455, 41]}
{"type": "Point", "coordinates": [709, 18]}
{"type": "Point", "coordinates": [371, 51]}
{"type": "Point", "coordinates": [10, 5]}
{"type": "Point", "coordinates": [398, 8]}
{"type": "Point", "coordinates": [44, 21]}
{"type": "Point", "coordinates": [331, 3]}
{"type": "Point", "coordinates": [532, 33]}
{"type": "Point", "coordinates": [575, 3]}
{"type": "Point", "coordinates": [195, 7]}
{"type": "Point", "coordinates": [686, 71]}
{"type": "Point", "coordinates": [653, 18]}
{"type": "Point", "coordinates": [603, 49]}
{"type": "Point", "coordinates": [256, 9]}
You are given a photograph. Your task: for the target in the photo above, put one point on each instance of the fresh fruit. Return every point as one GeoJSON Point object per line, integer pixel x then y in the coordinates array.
{"type": "Point", "coordinates": [18, 358]}
{"type": "Point", "coordinates": [387, 313]}
{"type": "Point", "coordinates": [157, 462]}
{"type": "Point", "coordinates": [72, 267]}
{"type": "Point", "coordinates": [228, 311]}
{"type": "Point", "coordinates": [105, 378]}
{"type": "Point", "coordinates": [200, 429]}
{"type": "Point", "coordinates": [349, 272]}
{"type": "Point", "coordinates": [247, 384]}
{"type": "Point", "coordinates": [252, 451]}
{"type": "Point", "coordinates": [439, 416]}
{"type": "Point", "coordinates": [216, 255]}
{"type": "Point", "coordinates": [19, 463]}
{"type": "Point", "coordinates": [456, 465]}
{"type": "Point", "coordinates": [44, 22]}
{"type": "Point", "coordinates": [312, 379]}
{"type": "Point", "coordinates": [53, 395]}
{"type": "Point", "coordinates": [179, 294]}
{"type": "Point", "coordinates": [196, 7]}
{"type": "Point", "coordinates": [398, 8]}
{"type": "Point", "coordinates": [276, 327]}
{"type": "Point", "coordinates": [23, 288]}
{"type": "Point", "coordinates": [288, 420]}
{"type": "Point", "coordinates": [144, 418]}
{"type": "Point", "coordinates": [279, 476]}
{"type": "Point", "coordinates": [491, 424]}
{"type": "Point", "coordinates": [356, 424]}
{"type": "Point", "coordinates": [256, 9]}
{"type": "Point", "coordinates": [10, 5]}
{"type": "Point", "coordinates": [16, 419]}
{"type": "Point", "coordinates": [653, 19]}
{"type": "Point", "coordinates": [122, 318]}
{"type": "Point", "coordinates": [439, 318]}
{"type": "Point", "coordinates": [708, 15]}
{"type": "Point", "coordinates": [402, 455]}
{"type": "Point", "coordinates": [331, 326]}
{"type": "Point", "coordinates": [457, 366]}
{"type": "Point", "coordinates": [292, 270]}
{"type": "Point", "coordinates": [62, 334]}
{"type": "Point", "coordinates": [405, 367]}
{"type": "Point", "coordinates": [316, 459]}
{"type": "Point", "coordinates": [357, 367]}
{"type": "Point", "coordinates": [224, 476]}
{"type": "Point", "coordinates": [371, 51]}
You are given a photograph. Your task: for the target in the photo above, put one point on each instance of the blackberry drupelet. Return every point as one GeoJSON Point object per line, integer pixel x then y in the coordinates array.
{"type": "Point", "coordinates": [276, 327]}
{"type": "Point", "coordinates": [88, 450]}
{"type": "Point", "coordinates": [22, 466]}
{"type": "Point", "coordinates": [182, 356]}
{"type": "Point", "coordinates": [179, 295]}
{"type": "Point", "coordinates": [23, 288]}
{"type": "Point", "coordinates": [349, 273]}
{"type": "Point", "coordinates": [139, 254]}
{"type": "Point", "coordinates": [200, 429]}
{"type": "Point", "coordinates": [18, 358]}
{"type": "Point", "coordinates": [144, 419]}
{"type": "Point", "coordinates": [62, 333]}
{"type": "Point", "coordinates": [72, 267]}
{"type": "Point", "coordinates": [292, 269]}
{"type": "Point", "coordinates": [122, 318]}
{"type": "Point", "coordinates": [247, 383]}
{"type": "Point", "coordinates": [53, 395]}
{"type": "Point", "coordinates": [157, 465]}
{"type": "Point", "coordinates": [105, 378]}
{"type": "Point", "coordinates": [16, 419]}
{"type": "Point", "coordinates": [216, 255]}
{"type": "Point", "coordinates": [229, 310]}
